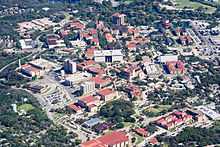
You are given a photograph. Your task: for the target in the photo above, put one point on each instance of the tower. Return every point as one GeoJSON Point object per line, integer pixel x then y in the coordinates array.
{"type": "Point", "coordinates": [69, 67]}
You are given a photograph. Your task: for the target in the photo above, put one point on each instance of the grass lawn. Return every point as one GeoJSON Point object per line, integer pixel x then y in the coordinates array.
{"type": "Point", "coordinates": [127, 124]}
{"type": "Point", "coordinates": [25, 107]}
{"type": "Point", "coordinates": [139, 139]}
{"type": "Point", "coordinates": [157, 109]}
{"type": "Point", "coordinates": [194, 5]}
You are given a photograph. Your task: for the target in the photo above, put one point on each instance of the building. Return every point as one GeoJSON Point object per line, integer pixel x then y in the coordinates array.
{"type": "Point", "coordinates": [36, 88]}
{"type": "Point", "coordinates": [75, 108]}
{"type": "Point", "coordinates": [55, 42]}
{"type": "Point", "coordinates": [42, 64]}
{"type": "Point", "coordinates": [152, 70]}
{"type": "Point", "coordinates": [175, 67]}
{"type": "Point", "coordinates": [92, 122]}
{"type": "Point", "coordinates": [87, 87]}
{"type": "Point", "coordinates": [133, 91]}
{"type": "Point", "coordinates": [31, 71]}
{"type": "Point", "coordinates": [209, 112]}
{"type": "Point", "coordinates": [118, 19]}
{"type": "Point", "coordinates": [69, 67]}
{"type": "Point", "coordinates": [174, 119]}
{"type": "Point", "coordinates": [27, 44]}
{"type": "Point", "coordinates": [101, 82]}
{"type": "Point", "coordinates": [107, 94]}
{"type": "Point", "coordinates": [130, 71]}
{"type": "Point", "coordinates": [168, 58]}
{"type": "Point", "coordinates": [142, 132]}
{"type": "Point", "coordinates": [75, 78]}
{"type": "Point", "coordinates": [87, 101]}
{"type": "Point", "coordinates": [85, 64]}
{"type": "Point", "coordinates": [108, 56]}
{"type": "Point", "coordinates": [113, 139]}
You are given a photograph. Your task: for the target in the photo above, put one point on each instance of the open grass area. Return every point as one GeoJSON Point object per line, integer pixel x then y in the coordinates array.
{"type": "Point", "coordinates": [139, 139]}
{"type": "Point", "coordinates": [156, 110]}
{"type": "Point", "coordinates": [25, 107]}
{"type": "Point", "coordinates": [194, 5]}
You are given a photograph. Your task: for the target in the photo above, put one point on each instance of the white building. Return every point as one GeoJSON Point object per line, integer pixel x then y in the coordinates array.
{"type": "Point", "coordinates": [78, 77]}
{"type": "Point", "coordinates": [108, 55]}
{"type": "Point", "coordinates": [78, 44]}
{"type": "Point", "coordinates": [209, 112]}
{"type": "Point", "coordinates": [69, 66]}
{"type": "Point", "coordinates": [27, 44]}
{"type": "Point", "coordinates": [168, 58]}
{"type": "Point", "coordinates": [87, 87]}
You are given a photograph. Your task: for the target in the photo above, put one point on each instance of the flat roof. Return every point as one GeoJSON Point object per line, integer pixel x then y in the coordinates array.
{"type": "Point", "coordinates": [209, 112]}
{"type": "Point", "coordinates": [92, 122]}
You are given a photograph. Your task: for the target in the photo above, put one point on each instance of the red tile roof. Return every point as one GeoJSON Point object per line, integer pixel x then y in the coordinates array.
{"type": "Point", "coordinates": [86, 63]}
{"type": "Point", "coordinates": [153, 141]}
{"type": "Point", "coordinates": [105, 92]}
{"type": "Point", "coordinates": [96, 70]}
{"type": "Point", "coordinates": [114, 138]}
{"type": "Point", "coordinates": [99, 80]}
{"type": "Point", "coordinates": [106, 140]}
{"type": "Point", "coordinates": [141, 131]}
{"type": "Point", "coordinates": [74, 107]}
{"type": "Point", "coordinates": [93, 143]}
{"type": "Point", "coordinates": [88, 99]}
{"type": "Point", "coordinates": [30, 68]}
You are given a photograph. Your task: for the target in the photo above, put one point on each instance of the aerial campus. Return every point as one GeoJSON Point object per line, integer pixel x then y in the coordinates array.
{"type": "Point", "coordinates": [110, 73]}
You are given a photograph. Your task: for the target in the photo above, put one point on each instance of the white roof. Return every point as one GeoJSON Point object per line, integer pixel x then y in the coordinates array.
{"type": "Point", "coordinates": [107, 53]}
{"type": "Point", "coordinates": [168, 58]}
{"type": "Point", "coordinates": [209, 112]}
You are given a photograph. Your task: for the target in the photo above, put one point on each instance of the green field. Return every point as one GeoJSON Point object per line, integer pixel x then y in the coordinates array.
{"type": "Point", "coordinates": [156, 110]}
{"type": "Point", "coordinates": [194, 5]}
{"type": "Point", "coordinates": [25, 107]}
{"type": "Point", "coordinates": [139, 139]}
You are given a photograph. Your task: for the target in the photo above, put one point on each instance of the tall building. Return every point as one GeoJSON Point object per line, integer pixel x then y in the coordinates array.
{"type": "Point", "coordinates": [87, 87]}
{"type": "Point", "coordinates": [69, 67]}
{"type": "Point", "coordinates": [118, 19]}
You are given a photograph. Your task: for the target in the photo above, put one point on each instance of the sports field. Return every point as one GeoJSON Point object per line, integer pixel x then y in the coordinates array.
{"type": "Point", "coordinates": [194, 5]}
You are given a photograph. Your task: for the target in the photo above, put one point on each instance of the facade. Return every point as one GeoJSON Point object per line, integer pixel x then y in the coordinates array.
{"type": "Point", "coordinates": [118, 19]}
{"type": "Point", "coordinates": [168, 58]}
{"type": "Point", "coordinates": [69, 67]}
{"type": "Point", "coordinates": [27, 44]}
{"type": "Point", "coordinates": [31, 71]}
{"type": "Point", "coordinates": [107, 94]}
{"type": "Point", "coordinates": [87, 87]}
{"type": "Point", "coordinates": [101, 82]}
{"type": "Point", "coordinates": [113, 139]}
{"type": "Point", "coordinates": [173, 120]}
{"type": "Point", "coordinates": [108, 56]}
{"type": "Point", "coordinates": [87, 101]}
{"type": "Point", "coordinates": [75, 108]}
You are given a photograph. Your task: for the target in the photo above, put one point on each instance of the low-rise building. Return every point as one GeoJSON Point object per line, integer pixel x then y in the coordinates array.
{"type": "Point", "coordinates": [101, 82]}
{"type": "Point", "coordinates": [113, 139]}
{"type": "Point", "coordinates": [27, 44]}
{"type": "Point", "coordinates": [173, 120]}
{"type": "Point", "coordinates": [87, 101]}
{"type": "Point", "coordinates": [108, 55]}
{"type": "Point", "coordinates": [107, 94]}
{"type": "Point", "coordinates": [92, 122]}
{"type": "Point", "coordinates": [31, 71]}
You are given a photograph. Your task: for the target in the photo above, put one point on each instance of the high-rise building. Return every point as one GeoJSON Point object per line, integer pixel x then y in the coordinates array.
{"type": "Point", "coordinates": [69, 67]}
{"type": "Point", "coordinates": [118, 19]}
{"type": "Point", "coordinates": [87, 87]}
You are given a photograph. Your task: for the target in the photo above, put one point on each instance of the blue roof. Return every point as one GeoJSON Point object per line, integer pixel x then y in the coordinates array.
{"type": "Point", "coordinates": [92, 122]}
